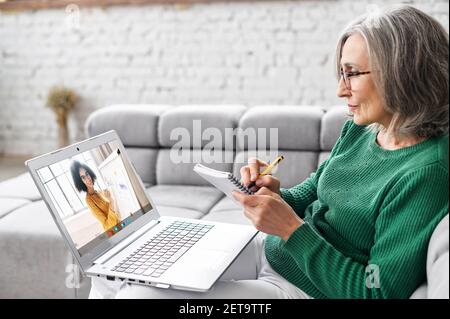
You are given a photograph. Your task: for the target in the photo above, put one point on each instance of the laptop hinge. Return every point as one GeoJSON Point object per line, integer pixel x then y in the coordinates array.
{"type": "Point", "coordinates": [125, 243]}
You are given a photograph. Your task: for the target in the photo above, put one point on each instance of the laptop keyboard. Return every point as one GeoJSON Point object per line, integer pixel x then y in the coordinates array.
{"type": "Point", "coordinates": [163, 250]}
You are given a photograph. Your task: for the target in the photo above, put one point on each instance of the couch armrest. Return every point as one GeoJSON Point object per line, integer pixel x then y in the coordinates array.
{"type": "Point", "coordinates": [437, 262]}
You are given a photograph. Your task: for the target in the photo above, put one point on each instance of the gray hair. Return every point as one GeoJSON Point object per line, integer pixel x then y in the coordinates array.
{"type": "Point", "coordinates": [408, 49]}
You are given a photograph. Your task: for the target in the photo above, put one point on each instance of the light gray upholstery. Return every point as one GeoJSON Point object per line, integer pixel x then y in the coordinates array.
{"type": "Point", "coordinates": [144, 161]}
{"type": "Point", "coordinates": [227, 211]}
{"type": "Point", "coordinates": [181, 173]}
{"type": "Point", "coordinates": [298, 127]}
{"type": "Point", "coordinates": [199, 198]}
{"type": "Point", "coordinates": [21, 186]}
{"type": "Point", "coordinates": [332, 123]}
{"type": "Point", "coordinates": [227, 216]}
{"type": "Point", "coordinates": [225, 204]}
{"type": "Point", "coordinates": [217, 118]}
{"type": "Point", "coordinates": [438, 262]}
{"type": "Point", "coordinates": [137, 125]}
{"type": "Point", "coordinates": [322, 157]}
{"type": "Point", "coordinates": [33, 258]}
{"type": "Point", "coordinates": [7, 205]}
{"type": "Point", "coordinates": [437, 285]}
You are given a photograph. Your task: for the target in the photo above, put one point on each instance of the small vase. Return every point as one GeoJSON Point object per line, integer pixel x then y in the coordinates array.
{"type": "Point", "coordinates": [63, 132]}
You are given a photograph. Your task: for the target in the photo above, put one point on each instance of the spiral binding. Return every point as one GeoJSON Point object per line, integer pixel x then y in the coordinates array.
{"type": "Point", "coordinates": [239, 185]}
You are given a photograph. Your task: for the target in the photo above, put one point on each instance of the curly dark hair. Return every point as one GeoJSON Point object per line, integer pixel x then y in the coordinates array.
{"type": "Point", "coordinates": [75, 170]}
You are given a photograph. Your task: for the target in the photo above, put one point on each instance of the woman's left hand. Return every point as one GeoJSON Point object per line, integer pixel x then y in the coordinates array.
{"type": "Point", "coordinates": [269, 213]}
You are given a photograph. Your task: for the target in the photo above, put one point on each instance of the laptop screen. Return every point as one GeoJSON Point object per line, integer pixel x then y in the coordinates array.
{"type": "Point", "coordinates": [96, 194]}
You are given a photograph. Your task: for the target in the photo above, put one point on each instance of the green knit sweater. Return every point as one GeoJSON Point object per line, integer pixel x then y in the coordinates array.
{"type": "Point", "coordinates": [369, 214]}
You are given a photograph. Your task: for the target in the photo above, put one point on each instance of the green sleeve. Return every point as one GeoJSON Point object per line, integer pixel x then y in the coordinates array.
{"type": "Point", "coordinates": [302, 195]}
{"type": "Point", "coordinates": [397, 262]}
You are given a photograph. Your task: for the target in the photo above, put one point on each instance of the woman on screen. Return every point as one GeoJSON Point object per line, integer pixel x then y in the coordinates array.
{"type": "Point", "coordinates": [100, 202]}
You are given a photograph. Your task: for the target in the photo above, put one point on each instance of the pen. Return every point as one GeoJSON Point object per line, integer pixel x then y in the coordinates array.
{"type": "Point", "coordinates": [268, 169]}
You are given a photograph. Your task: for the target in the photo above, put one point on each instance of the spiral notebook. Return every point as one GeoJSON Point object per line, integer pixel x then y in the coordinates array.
{"type": "Point", "coordinates": [225, 181]}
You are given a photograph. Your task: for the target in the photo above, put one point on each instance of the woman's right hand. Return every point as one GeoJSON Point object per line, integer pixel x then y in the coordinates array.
{"type": "Point", "coordinates": [107, 194]}
{"type": "Point", "coordinates": [250, 173]}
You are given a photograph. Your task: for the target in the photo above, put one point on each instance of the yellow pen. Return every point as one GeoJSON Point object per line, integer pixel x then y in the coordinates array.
{"type": "Point", "coordinates": [268, 169]}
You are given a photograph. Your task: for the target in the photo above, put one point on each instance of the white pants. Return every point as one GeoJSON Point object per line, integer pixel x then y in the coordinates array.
{"type": "Point", "coordinates": [250, 276]}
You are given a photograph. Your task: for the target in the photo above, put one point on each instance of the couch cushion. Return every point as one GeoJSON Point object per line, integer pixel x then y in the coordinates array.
{"type": "Point", "coordinates": [225, 204]}
{"type": "Point", "coordinates": [421, 292]}
{"type": "Point", "coordinates": [8, 205]}
{"type": "Point", "coordinates": [178, 212]}
{"type": "Point", "coordinates": [293, 170]}
{"type": "Point", "coordinates": [332, 123]}
{"type": "Point", "coordinates": [33, 256]}
{"type": "Point", "coordinates": [298, 127]}
{"type": "Point", "coordinates": [227, 211]}
{"type": "Point", "coordinates": [322, 157]}
{"type": "Point", "coordinates": [228, 216]}
{"type": "Point", "coordinates": [21, 186]}
{"type": "Point", "coordinates": [214, 119]}
{"type": "Point", "coordinates": [32, 218]}
{"type": "Point", "coordinates": [137, 125]}
{"type": "Point", "coordinates": [144, 161]}
{"type": "Point", "coordinates": [177, 168]}
{"type": "Point", "coordinates": [198, 198]}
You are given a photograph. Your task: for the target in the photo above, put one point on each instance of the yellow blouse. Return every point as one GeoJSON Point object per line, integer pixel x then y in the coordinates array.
{"type": "Point", "coordinates": [102, 210]}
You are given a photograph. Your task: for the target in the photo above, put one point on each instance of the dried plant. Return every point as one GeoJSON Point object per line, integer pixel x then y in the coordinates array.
{"type": "Point", "coordinates": [62, 100]}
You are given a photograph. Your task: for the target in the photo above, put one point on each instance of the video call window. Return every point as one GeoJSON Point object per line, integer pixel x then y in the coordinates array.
{"type": "Point", "coordinates": [58, 182]}
{"type": "Point", "coordinates": [95, 193]}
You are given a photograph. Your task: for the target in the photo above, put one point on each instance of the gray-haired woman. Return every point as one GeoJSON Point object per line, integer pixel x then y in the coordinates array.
{"type": "Point", "coordinates": [359, 226]}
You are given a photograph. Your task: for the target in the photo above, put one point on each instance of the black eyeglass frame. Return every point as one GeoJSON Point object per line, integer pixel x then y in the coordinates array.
{"type": "Point", "coordinates": [347, 75]}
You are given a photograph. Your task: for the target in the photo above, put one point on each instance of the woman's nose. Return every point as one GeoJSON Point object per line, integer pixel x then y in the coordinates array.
{"type": "Point", "coordinates": [342, 90]}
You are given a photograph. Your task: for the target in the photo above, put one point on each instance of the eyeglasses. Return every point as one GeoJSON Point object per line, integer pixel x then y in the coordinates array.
{"type": "Point", "coordinates": [347, 75]}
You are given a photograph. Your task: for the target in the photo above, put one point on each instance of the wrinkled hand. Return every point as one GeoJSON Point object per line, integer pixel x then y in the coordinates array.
{"type": "Point", "coordinates": [250, 173]}
{"type": "Point", "coordinates": [269, 213]}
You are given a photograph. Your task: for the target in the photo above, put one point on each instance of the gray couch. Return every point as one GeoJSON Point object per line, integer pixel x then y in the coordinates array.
{"type": "Point", "coordinates": [33, 259]}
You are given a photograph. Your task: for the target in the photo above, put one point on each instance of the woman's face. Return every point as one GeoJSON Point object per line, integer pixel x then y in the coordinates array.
{"type": "Point", "coordinates": [86, 178]}
{"type": "Point", "coordinates": [363, 99]}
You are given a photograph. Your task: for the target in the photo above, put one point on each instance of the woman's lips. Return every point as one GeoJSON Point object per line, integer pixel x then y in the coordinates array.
{"type": "Point", "coordinates": [352, 107]}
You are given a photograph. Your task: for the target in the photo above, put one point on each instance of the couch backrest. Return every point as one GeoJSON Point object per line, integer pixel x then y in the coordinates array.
{"type": "Point", "coordinates": [164, 142]}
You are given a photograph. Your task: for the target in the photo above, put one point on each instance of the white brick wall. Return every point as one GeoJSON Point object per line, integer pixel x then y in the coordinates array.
{"type": "Point", "coordinates": [251, 53]}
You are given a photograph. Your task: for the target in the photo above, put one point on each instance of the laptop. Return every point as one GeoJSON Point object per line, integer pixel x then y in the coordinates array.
{"type": "Point", "coordinates": [114, 230]}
